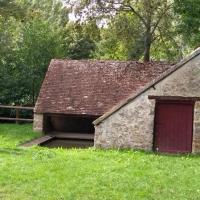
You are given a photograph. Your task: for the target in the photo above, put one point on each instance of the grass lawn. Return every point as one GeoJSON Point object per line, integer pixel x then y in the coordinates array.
{"type": "Point", "coordinates": [40, 173]}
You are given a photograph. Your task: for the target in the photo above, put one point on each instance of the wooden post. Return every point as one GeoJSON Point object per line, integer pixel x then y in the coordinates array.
{"type": "Point", "coordinates": [17, 115]}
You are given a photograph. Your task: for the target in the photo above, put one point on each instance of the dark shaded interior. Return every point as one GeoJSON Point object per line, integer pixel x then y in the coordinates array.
{"type": "Point", "coordinates": [69, 131]}
{"type": "Point", "coordinates": [69, 124]}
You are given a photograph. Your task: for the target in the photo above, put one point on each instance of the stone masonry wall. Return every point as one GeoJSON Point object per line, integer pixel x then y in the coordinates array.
{"type": "Point", "coordinates": [132, 126]}
{"type": "Point", "coordinates": [126, 128]}
{"type": "Point", "coordinates": [38, 122]}
{"type": "Point", "coordinates": [196, 128]}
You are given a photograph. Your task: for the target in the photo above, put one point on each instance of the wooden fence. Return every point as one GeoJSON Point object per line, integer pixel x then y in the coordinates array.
{"type": "Point", "coordinates": [17, 116]}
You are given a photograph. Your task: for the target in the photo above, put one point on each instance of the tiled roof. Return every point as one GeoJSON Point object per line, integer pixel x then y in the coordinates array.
{"type": "Point", "coordinates": [152, 83]}
{"type": "Point", "coordinates": [93, 87]}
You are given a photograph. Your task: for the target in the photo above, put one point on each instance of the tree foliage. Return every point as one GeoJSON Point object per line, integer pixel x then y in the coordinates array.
{"type": "Point", "coordinates": [189, 20]}
{"type": "Point", "coordinates": [41, 41]}
{"type": "Point", "coordinates": [32, 32]}
{"type": "Point", "coordinates": [10, 8]}
{"type": "Point", "coordinates": [122, 39]}
{"type": "Point", "coordinates": [81, 40]}
{"type": "Point", "coordinates": [27, 46]}
{"type": "Point", "coordinates": [150, 14]}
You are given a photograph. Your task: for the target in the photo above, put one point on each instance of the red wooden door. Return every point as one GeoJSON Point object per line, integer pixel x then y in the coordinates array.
{"type": "Point", "coordinates": [173, 126]}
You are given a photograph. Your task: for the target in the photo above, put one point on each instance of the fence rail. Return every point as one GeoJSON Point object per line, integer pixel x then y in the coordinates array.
{"type": "Point", "coordinates": [17, 116]}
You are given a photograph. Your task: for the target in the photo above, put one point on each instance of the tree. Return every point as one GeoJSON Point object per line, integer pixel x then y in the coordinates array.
{"type": "Point", "coordinates": [9, 32]}
{"type": "Point", "coordinates": [81, 40]}
{"type": "Point", "coordinates": [48, 10]}
{"type": "Point", "coordinates": [10, 8]}
{"type": "Point", "coordinates": [188, 12]}
{"type": "Point", "coordinates": [122, 39]}
{"type": "Point", "coordinates": [41, 41]}
{"type": "Point", "coordinates": [26, 48]}
{"type": "Point", "coordinates": [149, 12]}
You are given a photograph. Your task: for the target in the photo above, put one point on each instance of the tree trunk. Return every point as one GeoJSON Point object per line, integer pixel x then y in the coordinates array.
{"type": "Point", "coordinates": [148, 35]}
{"type": "Point", "coordinates": [147, 45]}
{"type": "Point", "coordinates": [33, 92]}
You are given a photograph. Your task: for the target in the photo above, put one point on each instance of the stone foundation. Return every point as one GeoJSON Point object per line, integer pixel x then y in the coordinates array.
{"type": "Point", "coordinates": [38, 122]}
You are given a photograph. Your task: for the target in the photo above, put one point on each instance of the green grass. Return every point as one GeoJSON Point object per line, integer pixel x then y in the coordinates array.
{"type": "Point", "coordinates": [57, 174]}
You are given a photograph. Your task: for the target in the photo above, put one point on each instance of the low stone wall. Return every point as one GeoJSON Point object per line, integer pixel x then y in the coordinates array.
{"type": "Point", "coordinates": [38, 122]}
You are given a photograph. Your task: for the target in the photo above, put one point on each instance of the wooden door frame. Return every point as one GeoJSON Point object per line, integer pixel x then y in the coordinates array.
{"type": "Point", "coordinates": [185, 101]}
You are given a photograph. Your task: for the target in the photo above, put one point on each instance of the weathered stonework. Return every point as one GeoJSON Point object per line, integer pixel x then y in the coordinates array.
{"type": "Point", "coordinates": [132, 125]}
{"type": "Point", "coordinates": [196, 129]}
{"type": "Point", "coordinates": [38, 122]}
{"type": "Point", "coordinates": [123, 130]}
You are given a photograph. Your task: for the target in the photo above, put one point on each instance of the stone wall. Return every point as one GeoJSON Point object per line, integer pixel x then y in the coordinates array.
{"type": "Point", "coordinates": [38, 122]}
{"type": "Point", "coordinates": [196, 128]}
{"type": "Point", "coordinates": [126, 128]}
{"type": "Point", "coordinates": [132, 125]}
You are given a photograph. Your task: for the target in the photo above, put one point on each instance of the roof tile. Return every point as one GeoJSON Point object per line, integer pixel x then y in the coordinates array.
{"type": "Point", "coordinates": [93, 87]}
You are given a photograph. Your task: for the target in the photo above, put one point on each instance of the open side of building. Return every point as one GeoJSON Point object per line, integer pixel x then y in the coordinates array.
{"type": "Point", "coordinates": [164, 116]}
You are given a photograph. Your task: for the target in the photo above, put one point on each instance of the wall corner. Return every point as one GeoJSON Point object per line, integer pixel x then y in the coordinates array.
{"type": "Point", "coordinates": [196, 129]}
{"type": "Point", "coordinates": [38, 122]}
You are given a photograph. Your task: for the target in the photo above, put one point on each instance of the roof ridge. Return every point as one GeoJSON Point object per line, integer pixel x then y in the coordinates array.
{"type": "Point", "coordinates": [191, 56]}
{"type": "Point", "coordinates": [114, 61]}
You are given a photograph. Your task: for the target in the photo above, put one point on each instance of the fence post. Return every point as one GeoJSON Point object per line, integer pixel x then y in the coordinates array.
{"type": "Point", "coordinates": [17, 115]}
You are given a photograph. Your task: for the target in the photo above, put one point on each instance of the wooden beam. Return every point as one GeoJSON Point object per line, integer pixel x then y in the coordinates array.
{"type": "Point", "coordinates": [177, 98]}
{"type": "Point", "coordinates": [14, 119]}
{"type": "Point", "coordinates": [37, 141]}
{"type": "Point", "coordinates": [67, 135]}
{"type": "Point", "coordinates": [71, 115]}
{"type": "Point", "coordinates": [17, 107]}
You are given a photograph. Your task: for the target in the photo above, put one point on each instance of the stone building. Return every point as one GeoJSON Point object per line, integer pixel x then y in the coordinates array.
{"type": "Point", "coordinates": [150, 106]}
{"type": "Point", "coordinates": [163, 116]}
{"type": "Point", "coordinates": [75, 93]}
